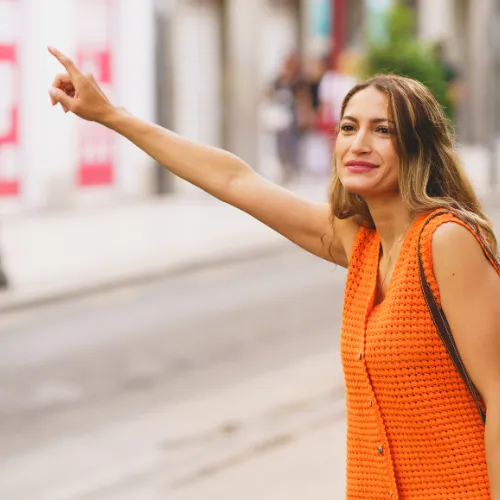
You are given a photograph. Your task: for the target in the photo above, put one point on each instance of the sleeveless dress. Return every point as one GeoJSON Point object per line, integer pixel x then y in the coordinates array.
{"type": "Point", "coordinates": [413, 430]}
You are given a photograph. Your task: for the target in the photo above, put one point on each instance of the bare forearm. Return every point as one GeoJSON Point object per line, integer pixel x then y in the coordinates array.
{"type": "Point", "coordinates": [209, 168]}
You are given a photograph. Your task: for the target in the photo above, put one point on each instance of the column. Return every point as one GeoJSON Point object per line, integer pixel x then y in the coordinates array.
{"type": "Point", "coordinates": [135, 66]}
{"type": "Point", "coordinates": [47, 134]}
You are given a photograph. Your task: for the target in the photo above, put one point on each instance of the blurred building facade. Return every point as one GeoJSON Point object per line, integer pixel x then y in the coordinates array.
{"type": "Point", "coordinates": [48, 160]}
{"type": "Point", "coordinates": [217, 56]}
{"type": "Point", "coordinates": [470, 33]}
{"type": "Point", "coordinates": [197, 67]}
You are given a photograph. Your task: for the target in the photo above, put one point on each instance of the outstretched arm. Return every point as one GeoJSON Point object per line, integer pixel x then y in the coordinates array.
{"type": "Point", "coordinates": [214, 170]}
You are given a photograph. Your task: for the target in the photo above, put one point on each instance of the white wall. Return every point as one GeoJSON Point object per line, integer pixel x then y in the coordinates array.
{"type": "Point", "coordinates": [277, 37]}
{"type": "Point", "coordinates": [47, 134]}
{"type": "Point", "coordinates": [435, 20]}
{"type": "Point", "coordinates": [135, 89]}
{"type": "Point", "coordinates": [243, 32]}
{"type": "Point", "coordinates": [198, 72]}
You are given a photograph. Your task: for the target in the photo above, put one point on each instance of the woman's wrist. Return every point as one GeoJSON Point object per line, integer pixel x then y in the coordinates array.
{"type": "Point", "coordinates": [112, 117]}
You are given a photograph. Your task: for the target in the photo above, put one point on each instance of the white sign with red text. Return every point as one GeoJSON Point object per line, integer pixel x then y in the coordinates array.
{"type": "Point", "coordinates": [96, 144]}
{"type": "Point", "coordinates": [9, 98]}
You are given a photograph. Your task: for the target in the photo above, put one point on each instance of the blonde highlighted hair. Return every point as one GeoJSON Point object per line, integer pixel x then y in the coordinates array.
{"type": "Point", "coordinates": [431, 175]}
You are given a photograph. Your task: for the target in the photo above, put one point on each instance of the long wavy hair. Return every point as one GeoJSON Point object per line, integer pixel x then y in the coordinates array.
{"type": "Point", "coordinates": [430, 173]}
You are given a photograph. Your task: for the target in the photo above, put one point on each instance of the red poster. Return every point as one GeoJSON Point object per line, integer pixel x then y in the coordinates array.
{"type": "Point", "coordinates": [94, 55]}
{"type": "Point", "coordinates": [9, 99]}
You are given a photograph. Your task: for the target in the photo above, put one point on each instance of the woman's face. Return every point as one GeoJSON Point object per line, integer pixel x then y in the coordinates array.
{"type": "Point", "coordinates": [365, 152]}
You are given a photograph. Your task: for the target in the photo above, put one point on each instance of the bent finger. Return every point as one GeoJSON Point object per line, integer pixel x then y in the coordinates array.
{"type": "Point", "coordinates": [63, 82]}
{"type": "Point", "coordinates": [58, 96]}
{"type": "Point", "coordinates": [62, 79]}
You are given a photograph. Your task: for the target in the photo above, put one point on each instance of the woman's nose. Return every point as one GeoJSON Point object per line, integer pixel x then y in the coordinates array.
{"type": "Point", "coordinates": [361, 143]}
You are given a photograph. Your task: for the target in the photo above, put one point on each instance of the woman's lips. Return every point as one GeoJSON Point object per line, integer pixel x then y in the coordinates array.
{"type": "Point", "coordinates": [360, 167]}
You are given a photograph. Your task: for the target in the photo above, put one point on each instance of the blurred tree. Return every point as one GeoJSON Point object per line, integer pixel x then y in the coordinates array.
{"type": "Point", "coordinates": [403, 54]}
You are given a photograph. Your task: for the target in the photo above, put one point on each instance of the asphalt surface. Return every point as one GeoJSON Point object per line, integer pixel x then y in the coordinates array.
{"type": "Point", "coordinates": [83, 366]}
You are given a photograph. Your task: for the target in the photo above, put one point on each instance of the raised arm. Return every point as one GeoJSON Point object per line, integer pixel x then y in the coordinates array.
{"type": "Point", "coordinates": [214, 170]}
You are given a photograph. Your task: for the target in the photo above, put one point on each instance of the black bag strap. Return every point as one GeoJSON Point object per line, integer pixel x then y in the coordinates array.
{"type": "Point", "coordinates": [439, 317]}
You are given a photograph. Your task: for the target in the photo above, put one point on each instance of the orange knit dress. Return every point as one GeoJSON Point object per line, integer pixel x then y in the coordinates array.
{"type": "Point", "coordinates": [413, 430]}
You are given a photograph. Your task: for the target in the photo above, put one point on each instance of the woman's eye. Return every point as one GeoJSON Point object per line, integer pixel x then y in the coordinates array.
{"type": "Point", "coordinates": [383, 130]}
{"type": "Point", "coordinates": [347, 128]}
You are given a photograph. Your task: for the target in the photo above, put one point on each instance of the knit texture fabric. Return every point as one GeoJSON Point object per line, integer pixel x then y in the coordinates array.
{"type": "Point", "coordinates": [413, 430]}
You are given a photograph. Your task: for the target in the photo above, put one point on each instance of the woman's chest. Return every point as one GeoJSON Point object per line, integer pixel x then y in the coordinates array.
{"type": "Point", "coordinates": [398, 332]}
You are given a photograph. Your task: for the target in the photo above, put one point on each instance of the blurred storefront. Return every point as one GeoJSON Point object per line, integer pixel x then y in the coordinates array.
{"type": "Point", "coordinates": [48, 160]}
{"type": "Point", "coordinates": [195, 66]}
{"type": "Point", "coordinates": [10, 39]}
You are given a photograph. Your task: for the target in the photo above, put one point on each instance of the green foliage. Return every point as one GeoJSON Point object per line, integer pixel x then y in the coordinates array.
{"type": "Point", "coordinates": [401, 53]}
{"type": "Point", "coordinates": [400, 23]}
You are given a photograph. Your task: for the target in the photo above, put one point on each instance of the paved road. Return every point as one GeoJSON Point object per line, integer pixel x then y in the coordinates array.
{"type": "Point", "coordinates": [87, 386]}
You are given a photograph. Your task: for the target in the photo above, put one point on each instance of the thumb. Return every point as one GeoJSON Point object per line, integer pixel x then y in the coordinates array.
{"type": "Point", "coordinates": [58, 96]}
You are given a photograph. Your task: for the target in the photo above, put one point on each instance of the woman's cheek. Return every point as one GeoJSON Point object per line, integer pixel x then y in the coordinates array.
{"type": "Point", "coordinates": [341, 148]}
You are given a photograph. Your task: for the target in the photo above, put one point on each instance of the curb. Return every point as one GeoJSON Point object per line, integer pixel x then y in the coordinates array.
{"type": "Point", "coordinates": [12, 301]}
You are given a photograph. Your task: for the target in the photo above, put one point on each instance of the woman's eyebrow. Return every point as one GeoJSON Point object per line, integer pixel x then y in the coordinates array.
{"type": "Point", "coordinates": [372, 120]}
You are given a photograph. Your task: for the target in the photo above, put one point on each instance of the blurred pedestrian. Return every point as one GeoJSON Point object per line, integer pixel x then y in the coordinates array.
{"type": "Point", "coordinates": [423, 262]}
{"type": "Point", "coordinates": [4, 281]}
{"type": "Point", "coordinates": [286, 95]}
{"type": "Point", "coordinates": [315, 70]}
{"type": "Point", "coordinates": [316, 141]}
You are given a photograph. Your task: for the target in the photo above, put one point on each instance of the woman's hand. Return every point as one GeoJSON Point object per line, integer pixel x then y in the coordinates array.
{"type": "Point", "coordinates": [79, 93]}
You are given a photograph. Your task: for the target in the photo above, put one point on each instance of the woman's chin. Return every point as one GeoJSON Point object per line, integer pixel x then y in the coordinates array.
{"type": "Point", "coordinates": [359, 187]}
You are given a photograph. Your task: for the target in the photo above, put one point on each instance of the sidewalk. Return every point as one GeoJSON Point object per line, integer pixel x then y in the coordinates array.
{"type": "Point", "coordinates": [55, 255]}
{"type": "Point", "coordinates": [279, 435]}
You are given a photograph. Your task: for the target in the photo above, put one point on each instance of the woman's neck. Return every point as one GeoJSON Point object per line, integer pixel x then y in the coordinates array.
{"type": "Point", "coordinates": [392, 219]}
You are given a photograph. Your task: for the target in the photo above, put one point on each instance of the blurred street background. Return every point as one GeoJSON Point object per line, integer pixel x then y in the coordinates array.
{"type": "Point", "coordinates": [154, 342]}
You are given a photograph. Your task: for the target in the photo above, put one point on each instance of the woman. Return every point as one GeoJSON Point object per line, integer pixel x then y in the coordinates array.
{"type": "Point", "coordinates": [398, 192]}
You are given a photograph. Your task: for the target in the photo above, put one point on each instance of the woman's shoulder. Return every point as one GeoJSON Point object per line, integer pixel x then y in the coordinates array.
{"type": "Point", "coordinates": [446, 231]}
{"type": "Point", "coordinates": [455, 245]}
{"type": "Point", "coordinates": [441, 224]}
{"type": "Point", "coordinates": [447, 243]}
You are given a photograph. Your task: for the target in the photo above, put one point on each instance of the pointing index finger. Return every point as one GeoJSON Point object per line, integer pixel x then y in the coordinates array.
{"type": "Point", "coordinates": [65, 61]}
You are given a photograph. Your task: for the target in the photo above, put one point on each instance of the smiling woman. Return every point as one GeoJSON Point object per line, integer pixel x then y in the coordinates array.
{"type": "Point", "coordinates": [402, 213]}
{"type": "Point", "coordinates": [399, 122]}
